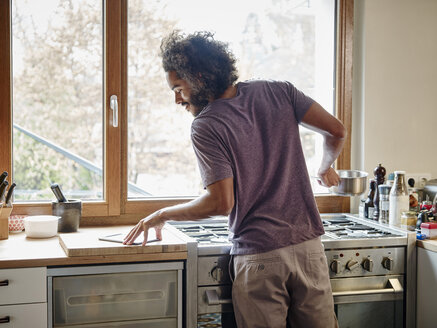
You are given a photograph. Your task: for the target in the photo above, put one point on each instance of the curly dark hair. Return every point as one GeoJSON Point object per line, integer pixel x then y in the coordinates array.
{"type": "Point", "coordinates": [206, 64]}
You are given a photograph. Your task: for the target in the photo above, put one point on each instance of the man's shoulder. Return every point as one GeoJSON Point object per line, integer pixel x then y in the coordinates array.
{"type": "Point", "coordinates": [260, 81]}
{"type": "Point", "coordinates": [266, 84]}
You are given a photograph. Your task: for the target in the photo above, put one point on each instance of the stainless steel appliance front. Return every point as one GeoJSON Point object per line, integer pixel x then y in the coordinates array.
{"type": "Point", "coordinates": [127, 295]}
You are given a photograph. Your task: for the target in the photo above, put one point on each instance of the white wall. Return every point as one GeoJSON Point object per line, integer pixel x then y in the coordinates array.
{"type": "Point", "coordinates": [395, 86]}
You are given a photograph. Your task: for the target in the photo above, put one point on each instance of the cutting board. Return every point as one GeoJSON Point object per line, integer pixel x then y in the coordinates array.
{"type": "Point", "coordinates": [86, 242]}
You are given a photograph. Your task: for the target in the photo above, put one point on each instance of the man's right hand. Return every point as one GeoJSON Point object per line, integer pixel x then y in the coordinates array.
{"type": "Point", "coordinates": [329, 178]}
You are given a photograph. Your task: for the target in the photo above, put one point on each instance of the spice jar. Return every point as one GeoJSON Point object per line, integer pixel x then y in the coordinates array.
{"type": "Point", "coordinates": [409, 220]}
{"type": "Point", "coordinates": [384, 203]}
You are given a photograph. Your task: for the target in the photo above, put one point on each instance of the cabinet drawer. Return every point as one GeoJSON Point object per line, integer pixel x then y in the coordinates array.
{"type": "Point", "coordinates": [27, 285]}
{"type": "Point", "coordinates": [24, 315]}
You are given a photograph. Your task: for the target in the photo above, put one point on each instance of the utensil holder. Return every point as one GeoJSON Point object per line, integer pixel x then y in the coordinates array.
{"type": "Point", "coordinates": [70, 213]}
{"type": "Point", "coordinates": [4, 221]}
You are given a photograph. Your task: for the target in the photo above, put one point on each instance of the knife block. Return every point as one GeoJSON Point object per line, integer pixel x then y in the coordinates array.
{"type": "Point", "coordinates": [4, 222]}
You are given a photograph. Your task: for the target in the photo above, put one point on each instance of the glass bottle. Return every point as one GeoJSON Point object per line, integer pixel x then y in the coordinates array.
{"type": "Point", "coordinates": [368, 204]}
{"type": "Point", "coordinates": [399, 199]}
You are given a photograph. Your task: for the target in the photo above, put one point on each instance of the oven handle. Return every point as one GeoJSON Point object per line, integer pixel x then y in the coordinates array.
{"type": "Point", "coordinates": [395, 288]}
{"type": "Point", "coordinates": [212, 298]}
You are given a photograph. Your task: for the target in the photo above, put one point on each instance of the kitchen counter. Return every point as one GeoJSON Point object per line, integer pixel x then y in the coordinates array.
{"type": "Point", "coordinates": [429, 244]}
{"type": "Point", "coordinates": [19, 251]}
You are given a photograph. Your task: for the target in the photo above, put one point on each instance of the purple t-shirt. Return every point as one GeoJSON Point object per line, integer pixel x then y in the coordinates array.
{"type": "Point", "coordinates": [254, 138]}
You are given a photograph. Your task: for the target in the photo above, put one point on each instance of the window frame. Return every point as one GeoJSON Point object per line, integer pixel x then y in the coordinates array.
{"type": "Point", "coordinates": [116, 208]}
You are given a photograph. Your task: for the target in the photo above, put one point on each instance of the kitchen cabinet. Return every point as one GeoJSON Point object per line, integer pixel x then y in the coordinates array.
{"type": "Point", "coordinates": [31, 266]}
{"type": "Point", "coordinates": [23, 298]}
{"type": "Point", "coordinates": [426, 288]}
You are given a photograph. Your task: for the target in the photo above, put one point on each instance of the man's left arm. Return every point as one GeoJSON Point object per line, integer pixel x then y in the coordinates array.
{"type": "Point", "coordinates": [217, 200]}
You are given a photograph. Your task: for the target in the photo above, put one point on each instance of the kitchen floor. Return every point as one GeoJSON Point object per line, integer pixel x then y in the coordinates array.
{"type": "Point", "coordinates": [209, 320]}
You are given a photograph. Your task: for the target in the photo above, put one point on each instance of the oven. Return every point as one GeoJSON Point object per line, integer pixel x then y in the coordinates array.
{"type": "Point", "coordinates": [208, 284]}
{"type": "Point", "coordinates": [371, 269]}
{"type": "Point", "coordinates": [117, 295]}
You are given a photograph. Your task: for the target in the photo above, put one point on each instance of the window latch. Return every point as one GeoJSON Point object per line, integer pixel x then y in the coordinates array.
{"type": "Point", "coordinates": [113, 102]}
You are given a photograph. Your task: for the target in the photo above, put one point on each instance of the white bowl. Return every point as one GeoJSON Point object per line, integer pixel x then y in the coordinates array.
{"type": "Point", "coordinates": [41, 226]}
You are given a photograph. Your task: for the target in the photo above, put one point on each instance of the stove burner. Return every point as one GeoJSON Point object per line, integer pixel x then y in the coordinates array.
{"type": "Point", "coordinates": [206, 234]}
{"type": "Point", "coordinates": [342, 228]}
{"type": "Point", "coordinates": [334, 228]}
{"type": "Point", "coordinates": [337, 221]}
{"type": "Point", "coordinates": [360, 227]}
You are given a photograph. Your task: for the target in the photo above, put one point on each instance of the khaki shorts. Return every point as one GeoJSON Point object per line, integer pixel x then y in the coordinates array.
{"type": "Point", "coordinates": [287, 287]}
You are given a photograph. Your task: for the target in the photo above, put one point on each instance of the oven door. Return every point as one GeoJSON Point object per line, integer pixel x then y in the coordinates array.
{"type": "Point", "coordinates": [215, 307]}
{"type": "Point", "coordinates": [364, 302]}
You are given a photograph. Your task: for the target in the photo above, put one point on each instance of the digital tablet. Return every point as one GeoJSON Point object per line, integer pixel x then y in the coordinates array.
{"type": "Point", "coordinates": [119, 237]}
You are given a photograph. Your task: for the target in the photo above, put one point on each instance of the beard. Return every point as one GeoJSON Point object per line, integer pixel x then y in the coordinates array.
{"type": "Point", "coordinates": [199, 99]}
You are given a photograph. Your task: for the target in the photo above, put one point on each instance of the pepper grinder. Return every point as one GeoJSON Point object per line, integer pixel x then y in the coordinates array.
{"type": "Point", "coordinates": [379, 173]}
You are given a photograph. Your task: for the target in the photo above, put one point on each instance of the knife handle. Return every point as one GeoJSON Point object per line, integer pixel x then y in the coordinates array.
{"type": "Point", "coordinates": [3, 177]}
{"type": "Point", "coordinates": [2, 190]}
{"type": "Point", "coordinates": [8, 200]}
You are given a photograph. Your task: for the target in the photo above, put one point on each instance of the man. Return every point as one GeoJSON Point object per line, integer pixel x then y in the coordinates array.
{"type": "Point", "coordinates": [246, 139]}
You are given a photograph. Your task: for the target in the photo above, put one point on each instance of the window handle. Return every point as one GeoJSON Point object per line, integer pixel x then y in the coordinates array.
{"type": "Point", "coordinates": [113, 102]}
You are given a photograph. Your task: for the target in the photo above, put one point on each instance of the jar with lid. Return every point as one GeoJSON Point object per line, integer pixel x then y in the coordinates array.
{"type": "Point", "coordinates": [399, 199]}
{"type": "Point", "coordinates": [384, 203]}
{"type": "Point", "coordinates": [414, 199]}
{"type": "Point", "coordinates": [409, 220]}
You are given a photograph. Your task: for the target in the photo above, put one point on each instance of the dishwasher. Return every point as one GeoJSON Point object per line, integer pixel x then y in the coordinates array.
{"type": "Point", "coordinates": [143, 295]}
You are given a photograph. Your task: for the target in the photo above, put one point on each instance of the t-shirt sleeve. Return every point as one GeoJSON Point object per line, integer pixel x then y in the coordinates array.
{"type": "Point", "coordinates": [301, 102]}
{"type": "Point", "coordinates": [212, 158]}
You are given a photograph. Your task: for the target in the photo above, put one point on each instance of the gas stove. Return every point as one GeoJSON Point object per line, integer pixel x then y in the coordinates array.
{"type": "Point", "coordinates": [341, 230]}
{"type": "Point", "coordinates": [368, 261]}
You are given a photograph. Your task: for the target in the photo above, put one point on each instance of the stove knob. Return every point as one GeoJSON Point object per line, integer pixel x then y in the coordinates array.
{"type": "Point", "coordinates": [352, 264]}
{"type": "Point", "coordinates": [368, 265]}
{"type": "Point", "coordinates": [217, 273]}
{"type": "Point", "coordinates": [335, 266]}
{"type": "Point", "coordinates": [387, 263]}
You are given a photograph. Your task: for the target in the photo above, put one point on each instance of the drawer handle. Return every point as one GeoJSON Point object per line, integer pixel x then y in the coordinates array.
{"type": "Point", "coordinates": [5, 319]}
{"type": "Point", "coordinates": [4, 282]}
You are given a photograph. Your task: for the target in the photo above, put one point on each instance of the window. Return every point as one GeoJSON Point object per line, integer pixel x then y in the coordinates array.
{"type": "Point", "coordinates": [70, 57]}
{"type": "Point", "coordinates": [284, 40]}
{"type": "Point", "coordinates": [57, 51]}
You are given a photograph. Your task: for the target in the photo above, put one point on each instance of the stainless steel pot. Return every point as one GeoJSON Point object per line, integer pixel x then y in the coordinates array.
{"type": "Point", "coordinates": [430, 189]}
{"type": "Point", "coordinates": [352, 183]}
